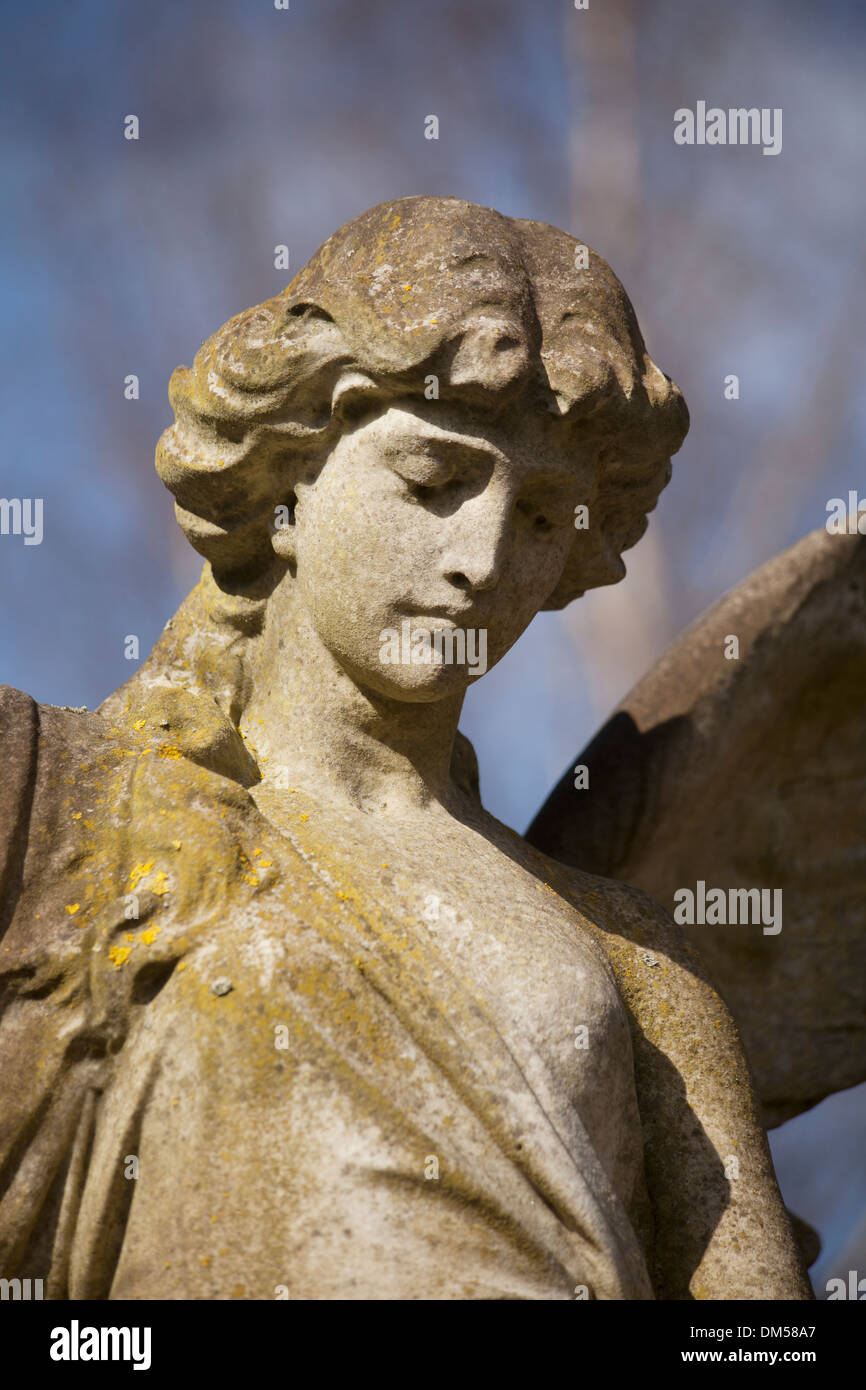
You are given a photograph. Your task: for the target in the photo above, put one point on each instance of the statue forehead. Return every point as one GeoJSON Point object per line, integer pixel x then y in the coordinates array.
{"type": "Point", "coordinates": [398, 425]}
{"type": "Point", "coordinates": [406, 425]}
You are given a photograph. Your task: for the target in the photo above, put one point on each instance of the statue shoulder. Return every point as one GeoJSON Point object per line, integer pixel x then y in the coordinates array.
{"type": "Point", "coordinates": [86, 802]}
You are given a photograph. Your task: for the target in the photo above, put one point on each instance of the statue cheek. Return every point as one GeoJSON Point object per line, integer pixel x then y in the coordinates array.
{"type": "Point", "coordinates": [533, 570]}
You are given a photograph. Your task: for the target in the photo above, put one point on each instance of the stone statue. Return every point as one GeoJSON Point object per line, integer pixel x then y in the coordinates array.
{"type": "Point", "coordinates": [286, 1012]}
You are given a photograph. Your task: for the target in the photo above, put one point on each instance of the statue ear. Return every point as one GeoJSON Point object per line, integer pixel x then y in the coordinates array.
{"type": "Point", "coordinates": [283, 537]}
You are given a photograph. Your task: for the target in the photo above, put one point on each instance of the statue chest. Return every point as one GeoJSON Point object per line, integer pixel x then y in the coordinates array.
{"type": "Point", "coordinates": [363, 1082]}
{"type": "Point", "coordinates": [468, 924]}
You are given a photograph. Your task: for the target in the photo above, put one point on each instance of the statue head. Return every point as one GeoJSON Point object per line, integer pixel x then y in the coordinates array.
{"type": "Point", "coordinates": [410, 426]}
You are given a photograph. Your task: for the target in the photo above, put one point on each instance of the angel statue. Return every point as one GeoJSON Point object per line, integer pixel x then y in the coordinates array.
{"type": "Point", "coordinates": [285, 1011]}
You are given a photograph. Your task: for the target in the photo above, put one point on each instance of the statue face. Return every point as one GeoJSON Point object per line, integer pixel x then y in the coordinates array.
{"type": "Point", "coordinates": [424, 522]}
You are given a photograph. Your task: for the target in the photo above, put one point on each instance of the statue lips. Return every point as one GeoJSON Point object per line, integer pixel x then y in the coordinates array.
{"type": "Point", "coordinates": [455, 616]}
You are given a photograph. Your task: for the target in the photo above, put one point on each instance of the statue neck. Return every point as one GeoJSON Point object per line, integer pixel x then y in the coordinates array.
{"type": "Point", "coordinates": [311, 726]}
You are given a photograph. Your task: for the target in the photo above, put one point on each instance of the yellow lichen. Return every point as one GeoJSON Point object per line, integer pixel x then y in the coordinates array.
{"type": "Point", "coordinates": [140, 871]}
{"type": "Point", "coordinates": [118, 954]}
{"type": "Point", "coordinates": [72, 908]}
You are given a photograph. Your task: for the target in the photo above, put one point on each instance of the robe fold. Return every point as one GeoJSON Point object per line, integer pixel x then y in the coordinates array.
{"type": "Point", "coordinates": [222, 1075]}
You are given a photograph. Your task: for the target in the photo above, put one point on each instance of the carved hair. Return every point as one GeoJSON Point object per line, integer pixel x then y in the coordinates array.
{"type": "Point", "coordinates": [496, 309]}
{"type": "Point", "coordinates": [502, 312]}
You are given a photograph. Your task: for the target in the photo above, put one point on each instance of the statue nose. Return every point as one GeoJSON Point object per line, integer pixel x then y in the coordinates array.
{"type": "Point", "coordinates": [474, 556]}
{"type": "Point", "coordinates": [472, 581]}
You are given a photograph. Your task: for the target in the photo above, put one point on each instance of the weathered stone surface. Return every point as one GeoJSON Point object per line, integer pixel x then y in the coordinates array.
{"type": "Point", "coordinates": [752, 773]}
{"type": "Point", "coordinates": [263, 945]}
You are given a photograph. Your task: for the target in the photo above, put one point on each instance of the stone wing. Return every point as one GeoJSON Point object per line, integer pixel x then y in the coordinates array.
{"type": "Point", "coordinates": [745, 772]}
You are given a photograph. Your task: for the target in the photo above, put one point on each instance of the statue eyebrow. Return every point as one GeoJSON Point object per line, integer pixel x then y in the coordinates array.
{"type": "Point", "coordinates": [407, 444]}
{"type": "Point", "coordinates": [404, 445]}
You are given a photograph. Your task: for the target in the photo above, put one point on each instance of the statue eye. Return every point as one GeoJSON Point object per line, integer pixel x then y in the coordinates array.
{"type": "Point", "coordinates": [537, 519]}
{"type": "Point", "coordinates": [542, 518]}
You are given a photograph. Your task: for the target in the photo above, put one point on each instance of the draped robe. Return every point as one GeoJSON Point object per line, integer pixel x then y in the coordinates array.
{"type": "Point", "coordinates": [224, 1076]}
